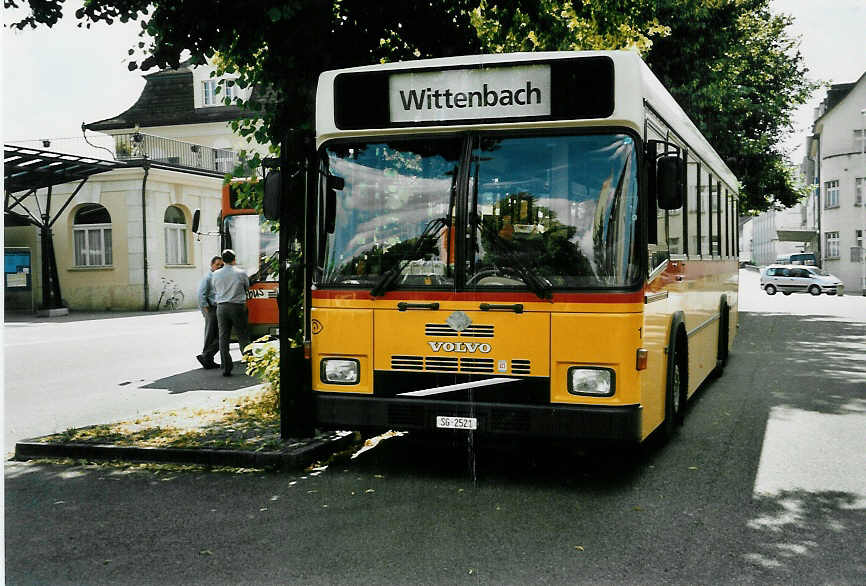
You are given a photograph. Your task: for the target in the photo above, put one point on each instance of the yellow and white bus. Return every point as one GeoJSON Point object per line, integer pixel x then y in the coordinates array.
{"type": "Point", "coordinates": [534, 244]}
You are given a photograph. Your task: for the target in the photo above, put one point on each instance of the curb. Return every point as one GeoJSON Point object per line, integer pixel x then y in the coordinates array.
{"type": "Point", "coordinates": [292, 459]}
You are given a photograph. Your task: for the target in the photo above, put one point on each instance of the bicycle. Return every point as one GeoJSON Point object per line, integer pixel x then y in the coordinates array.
{"type": "Point", "coordinates": [171, 294]}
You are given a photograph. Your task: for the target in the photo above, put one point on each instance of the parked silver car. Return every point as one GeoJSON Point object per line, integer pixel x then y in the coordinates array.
{"type": "Point", "coordinates": [800, 279]}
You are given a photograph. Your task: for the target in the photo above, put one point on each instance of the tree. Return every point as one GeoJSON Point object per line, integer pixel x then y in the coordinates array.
{"type": "Point", "coordinates": [564, 25]}
{"type": "Point", "coordinates": [731, 64]}
{"type": "Point", "coordinates": [278, 46]}
{"type": "Point", "coordinates": [739, 75]}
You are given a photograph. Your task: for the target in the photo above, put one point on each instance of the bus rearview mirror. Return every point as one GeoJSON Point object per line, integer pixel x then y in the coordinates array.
{"type": "Point", "coordinates": [272, 195]}
{"type": "Point", "coordinates": [334, 184]}
{"type": "Point", "coordinates": [196, 220]}
{"type": "Point", "coordinates": [669, 171]}
{"type": "Point", "coordinates": [330, 210]}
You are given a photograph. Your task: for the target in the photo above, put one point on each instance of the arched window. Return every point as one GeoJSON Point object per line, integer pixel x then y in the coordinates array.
{"type": "Point", "coordinates": [91, 231]}
{"type": "Point", "coordinates": [175, 236]}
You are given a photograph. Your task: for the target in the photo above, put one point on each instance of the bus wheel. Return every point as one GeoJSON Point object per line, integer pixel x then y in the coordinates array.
{"type": "Point", "coordinates": [674, 396]}
{"type": "Point", "coordinates": [722, 346]}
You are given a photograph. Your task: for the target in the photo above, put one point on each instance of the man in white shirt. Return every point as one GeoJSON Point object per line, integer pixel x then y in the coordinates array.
{"type": "Point", "coordinates": [230, 285]}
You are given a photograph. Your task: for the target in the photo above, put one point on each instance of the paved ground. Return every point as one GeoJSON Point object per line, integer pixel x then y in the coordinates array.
{"type": "Point", "coordinates": [763, 485]}
{"type": "Point", "coordinates": [89, 368]}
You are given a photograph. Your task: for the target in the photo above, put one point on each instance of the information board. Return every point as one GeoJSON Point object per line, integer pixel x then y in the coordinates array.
{"type": "Point", "coordinates": [17, 268]}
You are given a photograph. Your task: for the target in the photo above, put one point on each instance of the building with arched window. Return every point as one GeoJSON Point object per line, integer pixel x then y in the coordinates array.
{"type": "Point", "coordinates": [91, 236]}
{"type": "Point", "coordinates": [123, 235]}
{"type": "Point", "coordinates": [176, 236]}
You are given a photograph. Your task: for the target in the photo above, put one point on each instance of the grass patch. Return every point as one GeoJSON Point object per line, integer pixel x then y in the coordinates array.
{"type": "Point", "coordinates": [251, 423]}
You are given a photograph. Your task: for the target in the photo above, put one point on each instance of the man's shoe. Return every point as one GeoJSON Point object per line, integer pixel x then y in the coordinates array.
{"type": "Point", "coordinates": [214, 365]}
{"type": "Point", "coordinates": [203, 362]}
{"type": "Point", "coordinates": [227, 373]}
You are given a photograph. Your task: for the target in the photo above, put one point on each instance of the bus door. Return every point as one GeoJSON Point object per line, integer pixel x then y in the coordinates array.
{"type": "Point", "coordinates": [257, 251]}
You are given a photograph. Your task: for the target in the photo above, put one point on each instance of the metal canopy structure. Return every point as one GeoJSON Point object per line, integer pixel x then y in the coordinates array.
{"type": "Point", "coordinates": [26, 169]}
{"type": "Point", "coordinates": [25, 172]}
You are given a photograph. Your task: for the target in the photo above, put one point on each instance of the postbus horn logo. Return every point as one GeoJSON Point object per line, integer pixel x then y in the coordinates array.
{"type": "Point", "coordinates": [458, 321]}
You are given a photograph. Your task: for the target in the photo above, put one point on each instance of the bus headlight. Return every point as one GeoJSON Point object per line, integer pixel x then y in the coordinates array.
{"type": "Point", "coordinates": [592, 381]}
{"type": "Point", "coordinates": [341, 371]}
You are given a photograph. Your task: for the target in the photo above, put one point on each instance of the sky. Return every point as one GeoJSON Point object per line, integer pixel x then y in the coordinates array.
{"type": "Point", "coordinates": [55, 79]}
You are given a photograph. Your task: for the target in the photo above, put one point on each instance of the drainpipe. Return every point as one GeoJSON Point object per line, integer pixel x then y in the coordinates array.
{"type": "Point", "coordinates": [146, 168]}
{"type": "Point", "coordinates": [818, 201]}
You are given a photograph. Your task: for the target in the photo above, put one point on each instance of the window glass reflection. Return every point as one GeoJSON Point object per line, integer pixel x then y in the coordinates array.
{"type": "Point", "coordinates": [563, 207]}
{"type": "Point", "coordinates": [394, 193]}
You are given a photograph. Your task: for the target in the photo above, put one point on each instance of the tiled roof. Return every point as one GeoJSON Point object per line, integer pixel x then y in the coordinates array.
{"type": "Point", "coordinates": [168, 100]}
{"type": "Point", "coordinates": [837, 93]}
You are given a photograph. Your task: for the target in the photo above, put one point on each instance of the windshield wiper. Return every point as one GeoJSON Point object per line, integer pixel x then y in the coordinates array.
{"type": "Point", "coordinates": [265, 268]}
{"type": "Point", "coordinates": [536, 283]}
{"type": "Point", "coordinates": [431, 232]}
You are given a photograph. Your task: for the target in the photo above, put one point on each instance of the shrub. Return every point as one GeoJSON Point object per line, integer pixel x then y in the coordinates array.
{"type": "Point", "coordinates": [263, 361]}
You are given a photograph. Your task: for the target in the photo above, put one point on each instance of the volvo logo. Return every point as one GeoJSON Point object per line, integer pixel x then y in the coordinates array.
{"type": "Point", "coordinates": [468, 347]}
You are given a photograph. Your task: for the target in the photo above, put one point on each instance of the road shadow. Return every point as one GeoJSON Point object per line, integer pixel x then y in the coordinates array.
{"type": "Point", "coordinates": [528, 462]}
{"type": "Point", "coordinates": [204, 380]}
{"type": "Point", "coordinates": [815, 363]}
{"type": "Point", "coordinates": [800, 537]}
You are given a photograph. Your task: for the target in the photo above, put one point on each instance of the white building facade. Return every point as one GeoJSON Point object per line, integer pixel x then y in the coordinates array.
{"type": "Point", "coordinates": [766, 243]}
{"type": "Point", "coordinates": [837, 150]}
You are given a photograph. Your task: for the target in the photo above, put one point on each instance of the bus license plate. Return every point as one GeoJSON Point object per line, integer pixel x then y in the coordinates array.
{"type": "Point", "coordinates": [456, 422]}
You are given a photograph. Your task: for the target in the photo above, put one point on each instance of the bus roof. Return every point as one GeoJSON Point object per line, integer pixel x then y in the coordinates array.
{"type": "Point", "coordinates": [634, 87]}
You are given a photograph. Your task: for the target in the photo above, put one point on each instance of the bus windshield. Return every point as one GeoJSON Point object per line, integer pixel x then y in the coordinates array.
{"type": "Point", "coordinates": [541, 212]}
{"type": "Point", "coordinates": [256, 246]}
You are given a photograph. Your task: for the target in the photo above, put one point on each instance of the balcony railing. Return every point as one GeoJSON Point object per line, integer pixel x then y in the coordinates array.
{"type": "Point", "coordinates": [138, 145]}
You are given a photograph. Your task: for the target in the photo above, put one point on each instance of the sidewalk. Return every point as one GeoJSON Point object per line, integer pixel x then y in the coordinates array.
{"type": "Point", "coordinates": [26, 316]}
{"type": "Point", "coordinates": [137, 373]}
{"type": "Point", "coordinates": [243, 432]}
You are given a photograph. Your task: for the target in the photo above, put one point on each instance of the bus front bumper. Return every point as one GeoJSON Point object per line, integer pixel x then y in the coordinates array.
{"type": "Point", "coordinates": [353, 412]}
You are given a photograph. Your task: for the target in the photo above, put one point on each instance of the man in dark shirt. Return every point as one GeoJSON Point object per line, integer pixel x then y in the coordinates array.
{"type": "Point", "coordinates": [207, 305]}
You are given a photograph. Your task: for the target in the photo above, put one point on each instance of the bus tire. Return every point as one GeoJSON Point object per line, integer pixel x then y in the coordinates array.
{"type": "Point", "coordinates": [724, 333]}
{"type": "Point", "coordinates": [676, 380]}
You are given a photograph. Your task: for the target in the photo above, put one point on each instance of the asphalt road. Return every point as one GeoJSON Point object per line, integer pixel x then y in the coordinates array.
{"type": "Point", "coordinates": [90, 368]}
{"type": "Point", "coordinates": [764, 484]}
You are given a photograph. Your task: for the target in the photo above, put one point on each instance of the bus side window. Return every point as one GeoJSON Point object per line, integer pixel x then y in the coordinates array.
{"type": "Point", "coordinates": [659, 252]}
{"type": "Point", "coordinates": [690, 205]}
{"type": "Point", "coordinates": [709, 211]}
{"type": "Point", "coordinates": [727, 223]}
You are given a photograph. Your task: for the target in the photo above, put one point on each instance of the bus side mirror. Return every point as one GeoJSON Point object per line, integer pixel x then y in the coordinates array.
{"type": "Point", "coordinates": [272, 195]}
{"type": "Point", "coordinates": [669, 172]}
{"type": "Point", "coordinates": [196, 220]}
{"type": "Point", "coordinates": [333, 184]}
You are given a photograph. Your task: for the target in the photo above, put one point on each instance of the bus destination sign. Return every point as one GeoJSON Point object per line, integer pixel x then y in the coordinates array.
{"type": "Point", "coordinates": [552, 89]}
{"type": "Point", "coordinates": [470, 94]}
